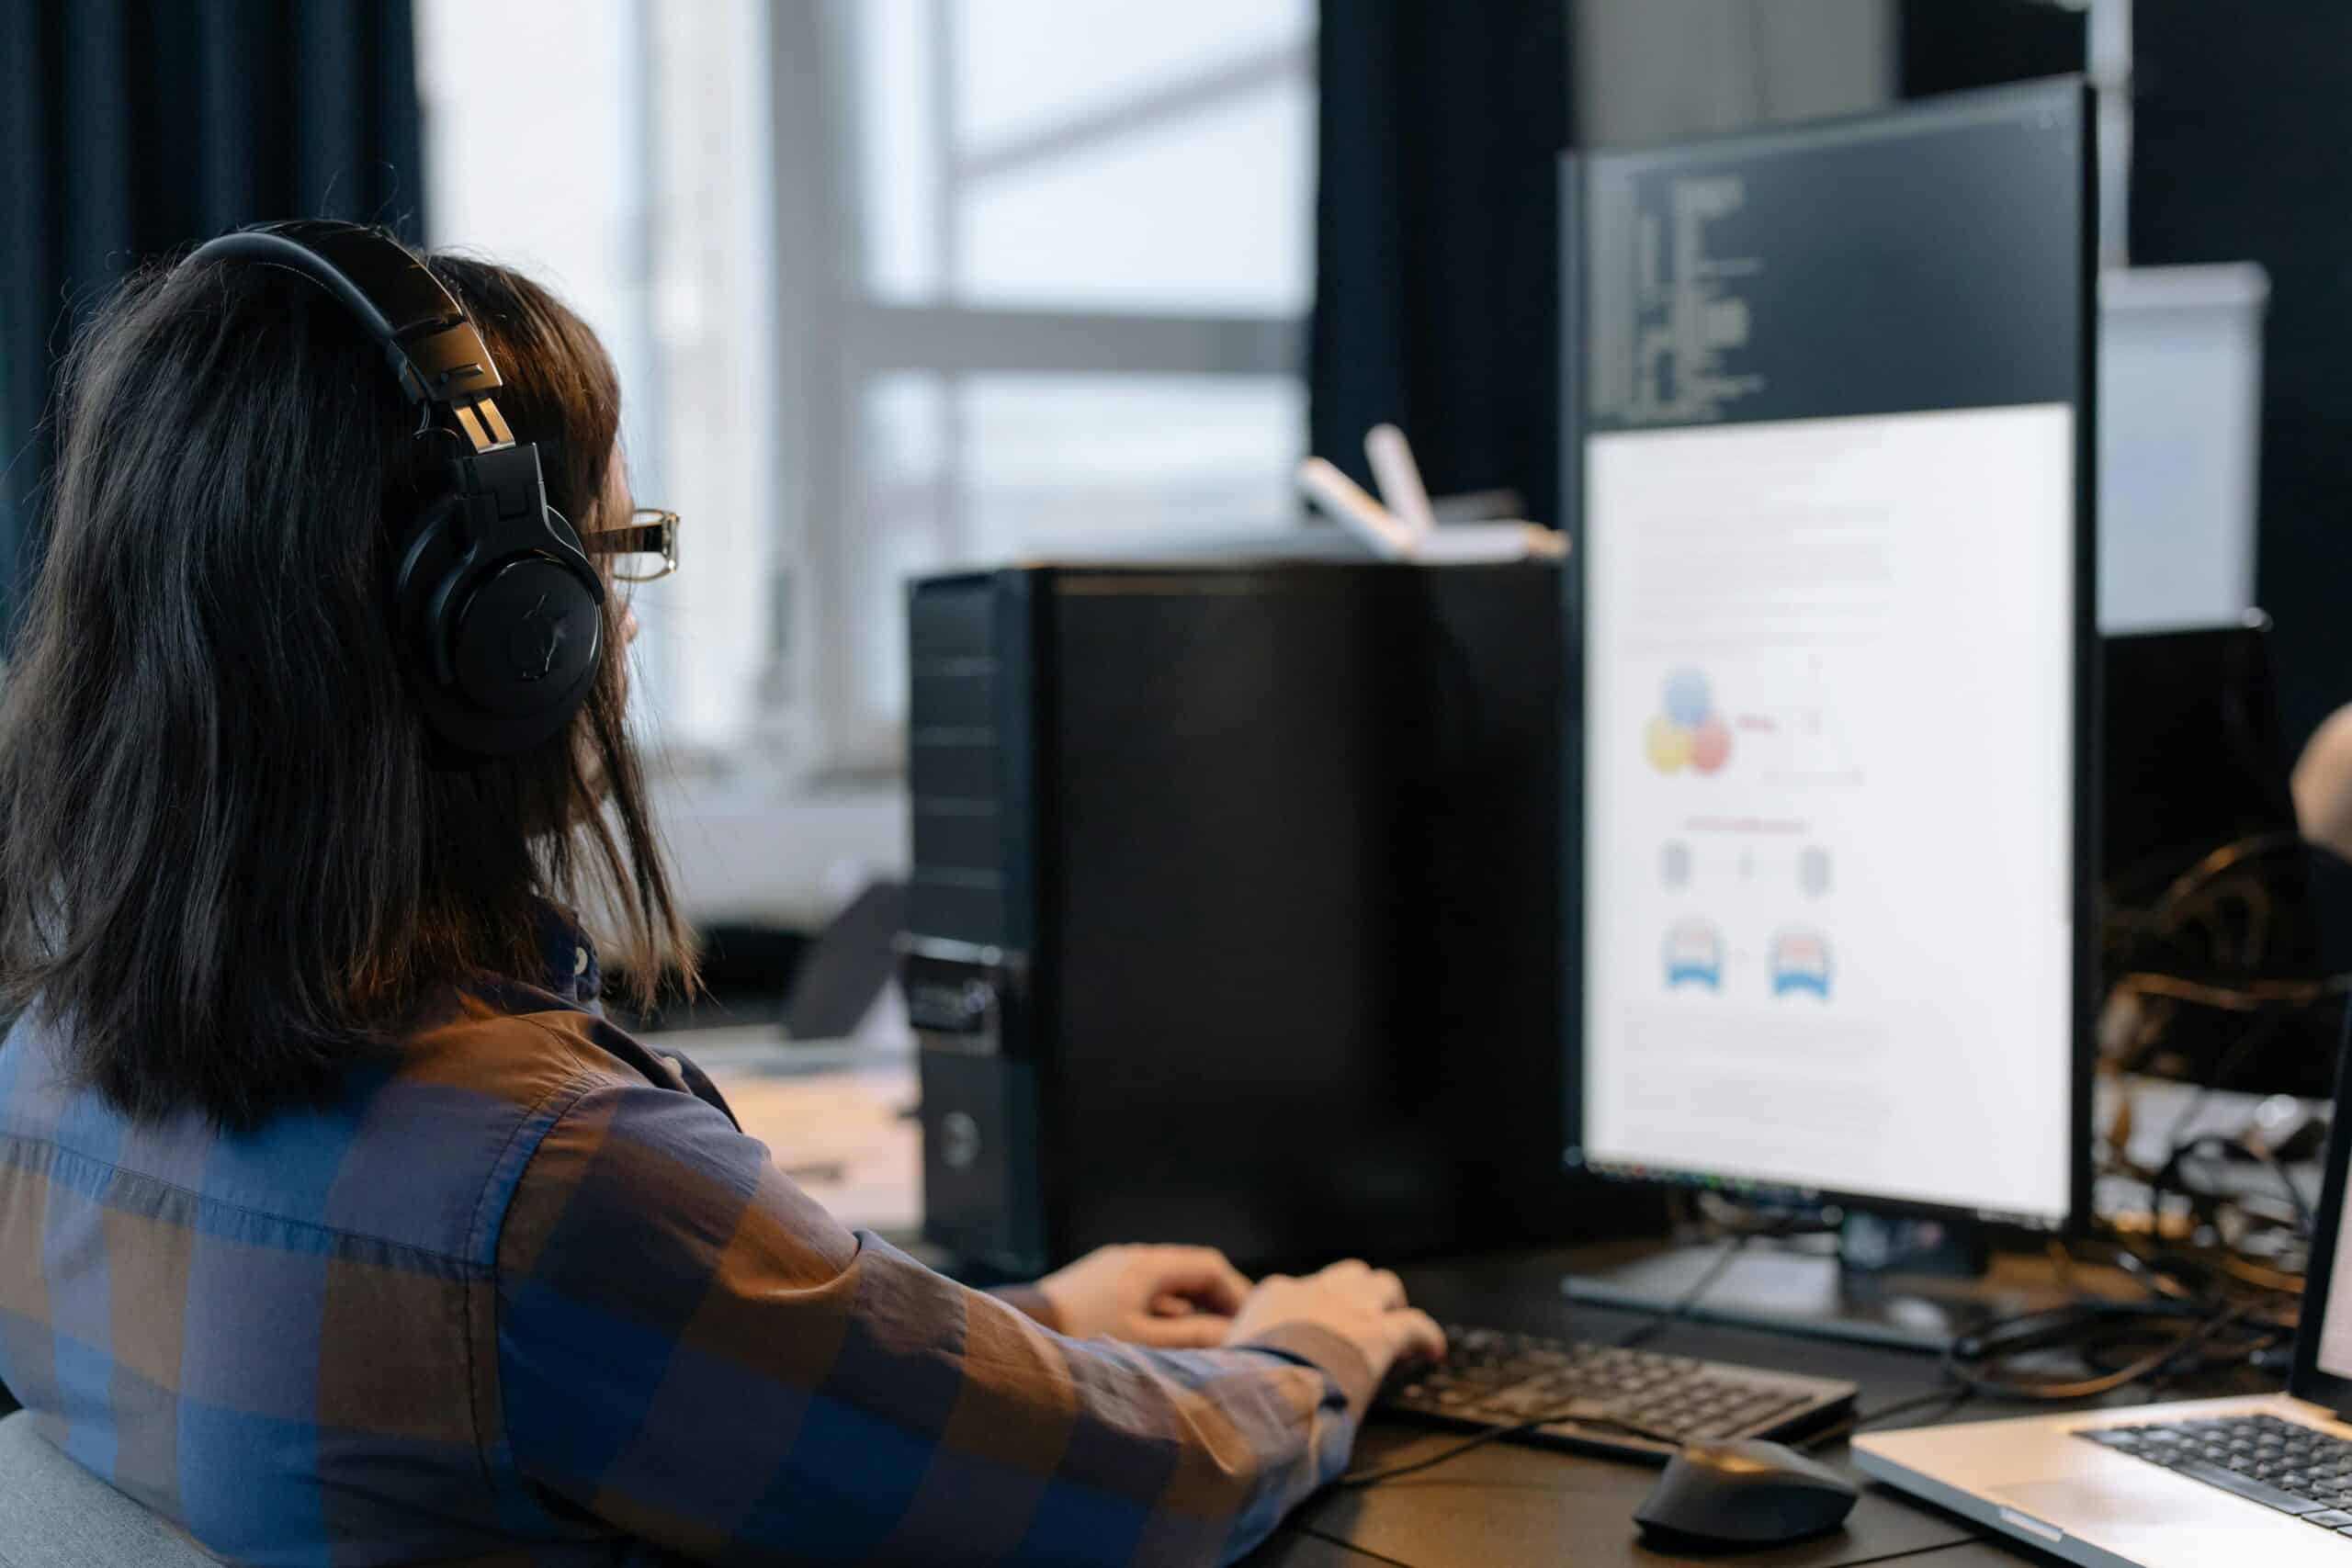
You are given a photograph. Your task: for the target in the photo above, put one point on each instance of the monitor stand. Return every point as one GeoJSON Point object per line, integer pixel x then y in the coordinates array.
{"type": "Point", "coordinates": [1907, 1284]}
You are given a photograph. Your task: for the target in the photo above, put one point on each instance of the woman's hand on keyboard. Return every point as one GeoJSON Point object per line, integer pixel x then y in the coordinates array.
{"type": "Point", "coordinates": [1175, 1298]}
{"type": "Point", "coordinates": [1363, 1306]}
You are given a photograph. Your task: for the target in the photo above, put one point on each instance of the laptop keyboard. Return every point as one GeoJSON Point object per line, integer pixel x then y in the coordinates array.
{"type": "Point", "coordinates": [2276, 1463]}
{"type": "Point", "coordinates": [1490, 1379]}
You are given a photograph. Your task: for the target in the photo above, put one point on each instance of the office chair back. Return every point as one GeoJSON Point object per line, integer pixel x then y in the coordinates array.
{"type": "Point", "coordinates": [54, 1514]}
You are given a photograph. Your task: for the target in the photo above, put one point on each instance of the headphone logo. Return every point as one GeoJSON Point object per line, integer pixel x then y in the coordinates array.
{"type": "Point", "coordinates": [536, 640]}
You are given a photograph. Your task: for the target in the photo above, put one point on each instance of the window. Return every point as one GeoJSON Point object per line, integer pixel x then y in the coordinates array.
{"type": "Point", "coordinates": [894, 285]}
{"type": "Point", "coordinates": [1079, 258]}
{"type": "Point", "coordinates": [626, 167]}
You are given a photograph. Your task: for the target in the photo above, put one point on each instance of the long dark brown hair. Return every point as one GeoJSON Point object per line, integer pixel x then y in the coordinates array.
{"type": "Point", "coordinates": [231, 862]}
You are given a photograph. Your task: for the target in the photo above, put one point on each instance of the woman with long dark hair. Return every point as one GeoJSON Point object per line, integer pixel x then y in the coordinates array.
{"type": "Point", "coordinates": [336, 1222]}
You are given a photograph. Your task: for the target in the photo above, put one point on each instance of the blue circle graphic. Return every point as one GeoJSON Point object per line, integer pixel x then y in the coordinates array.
{"type": "Point", "coordinates": [1688, 700]}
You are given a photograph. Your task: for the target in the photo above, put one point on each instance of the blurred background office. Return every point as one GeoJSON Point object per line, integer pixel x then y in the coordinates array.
{"type": "Point", "coordinates": [896, 284]}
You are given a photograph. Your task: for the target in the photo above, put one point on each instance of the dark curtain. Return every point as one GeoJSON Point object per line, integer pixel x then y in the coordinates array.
{"type": "Point", "coordinates": [1438, 236]}
{"type": "Point", "coordinates": [131, 127]}
{"type": "Point", "coordinates": [2242, 150]}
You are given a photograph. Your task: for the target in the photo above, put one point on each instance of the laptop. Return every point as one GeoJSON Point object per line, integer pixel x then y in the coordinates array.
{"type": "Point", "coordinates": [2266, 1479]}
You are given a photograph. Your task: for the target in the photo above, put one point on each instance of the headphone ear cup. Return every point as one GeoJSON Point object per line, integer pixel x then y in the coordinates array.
{"type": "Point", "coordinates": [500, 651]}
{"type": "Point", "coordinates": [428, 556]}
{"type": "Point", "coordinates": [526, 636]}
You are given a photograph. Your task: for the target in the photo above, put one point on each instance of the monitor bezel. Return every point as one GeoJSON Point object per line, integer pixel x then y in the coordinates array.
{"type": "Point", "coordinates": [2069, 97]}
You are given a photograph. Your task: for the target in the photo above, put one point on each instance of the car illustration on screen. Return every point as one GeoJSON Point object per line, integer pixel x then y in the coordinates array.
{"type": "Point", "coordinates": [1799, 960]}
{"type": "Point", "coordinates": [1694, 955]}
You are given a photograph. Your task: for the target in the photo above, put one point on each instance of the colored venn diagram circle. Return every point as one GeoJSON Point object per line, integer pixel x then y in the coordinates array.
{"type": "Point", "coordinates": [1687, 732]}
{"type": "Point", "coordinates": [1711, 745]}
{"type": "Point", "coordinates": [1668, 745]}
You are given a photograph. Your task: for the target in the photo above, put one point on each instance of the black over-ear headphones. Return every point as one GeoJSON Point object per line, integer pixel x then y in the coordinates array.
{"type": "Point", "coordinates": [496, 608]}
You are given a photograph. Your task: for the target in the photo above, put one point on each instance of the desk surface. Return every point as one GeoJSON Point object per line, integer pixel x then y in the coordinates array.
{"type": "Point", "coordinates": [839, 1131]}
{"type": "Point", "coordinates": [1507, 1505]}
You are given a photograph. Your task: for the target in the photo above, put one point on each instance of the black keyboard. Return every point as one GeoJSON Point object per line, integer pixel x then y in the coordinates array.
{"type": "Point", "coordinates": [2276, 1463]}
{"type": "Point", "coordinates": [1634, 1403]}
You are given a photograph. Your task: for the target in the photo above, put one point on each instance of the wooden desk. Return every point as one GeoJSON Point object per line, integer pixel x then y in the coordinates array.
{"type": "Point", "coordinates": [837, 1120]}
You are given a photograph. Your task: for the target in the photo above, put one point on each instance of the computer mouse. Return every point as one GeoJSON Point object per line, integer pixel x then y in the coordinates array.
{"type": "Point", "coordinates": [1750, 1494]}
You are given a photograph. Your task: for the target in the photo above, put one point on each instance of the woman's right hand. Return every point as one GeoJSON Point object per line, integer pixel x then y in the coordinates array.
{"type": "Point", "coordinates": [1362, 1304]}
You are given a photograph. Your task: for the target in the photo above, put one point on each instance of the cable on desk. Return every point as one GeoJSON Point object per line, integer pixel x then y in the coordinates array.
{"type": "Point", "coordinates": [1357, 1481]}
{"type": "Point", "coordinates": [2084, 1327]}
{"type": "Point", "coordinates": [2169, 1177]}
{"type": "Point", "coordinates": [1783, 1227]}
{"type": "Point", "coordinates": [1667, 1316]}
{"type": "Point", "coordinates": [2209, 1309]}
{"type": "Point", "coordinates": [2205, 1243]}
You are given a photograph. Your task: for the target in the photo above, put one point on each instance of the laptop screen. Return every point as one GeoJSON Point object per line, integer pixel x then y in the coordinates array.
{"type": "Point", "coordinates": [2323, 1342]}
{"type": "Point", "coordinates": [2335, 1328]}
{"type": "Point", "coordinates": [2337, 1333]}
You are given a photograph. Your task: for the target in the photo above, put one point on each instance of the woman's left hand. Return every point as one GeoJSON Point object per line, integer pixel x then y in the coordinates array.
{"type": "Point", "coordinates": [1171, 1297]}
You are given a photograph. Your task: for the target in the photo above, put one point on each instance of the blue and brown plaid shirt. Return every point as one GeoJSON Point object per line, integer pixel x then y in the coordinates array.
{"type": "Point", "coordinates": [527, 1295]}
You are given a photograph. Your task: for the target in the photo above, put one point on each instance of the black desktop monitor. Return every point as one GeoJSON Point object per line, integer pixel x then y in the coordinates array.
{"type": "Point", "coordinates": [2192, 757]}
{"type": "Point", "coordinates": [1829, 445]}
{"type": "Point", "coordinates": [2209, 920]}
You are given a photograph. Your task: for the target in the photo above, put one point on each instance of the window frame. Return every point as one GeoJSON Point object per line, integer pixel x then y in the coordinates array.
{"type": "Point", "coordinates": [839, 340]}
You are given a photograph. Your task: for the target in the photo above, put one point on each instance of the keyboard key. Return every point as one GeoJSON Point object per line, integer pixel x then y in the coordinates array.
{"type": "Point", "coordinates": [2331, 1518]}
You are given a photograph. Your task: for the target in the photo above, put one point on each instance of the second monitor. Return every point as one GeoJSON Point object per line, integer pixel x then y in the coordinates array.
{"type": "Point", "coordinates": [1830, 433]}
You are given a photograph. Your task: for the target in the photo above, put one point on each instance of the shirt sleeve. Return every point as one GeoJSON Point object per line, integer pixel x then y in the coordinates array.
{"type": "Point", "coordinates": [1030, 1301]}
{"type": "Point", "coordinates": [694, 1352]}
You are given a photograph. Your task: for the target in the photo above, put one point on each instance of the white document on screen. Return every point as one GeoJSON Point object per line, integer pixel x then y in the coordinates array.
{"type": "Point", "coordinates": [1828, 841]}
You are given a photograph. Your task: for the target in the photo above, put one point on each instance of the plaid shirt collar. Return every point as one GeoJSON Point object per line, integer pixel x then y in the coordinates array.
{"type": "Point", "coordinates": [573, 973]}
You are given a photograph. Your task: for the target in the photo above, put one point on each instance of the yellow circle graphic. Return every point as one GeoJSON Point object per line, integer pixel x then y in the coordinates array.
{"type": "Point", "coordinates": [1667, 744]}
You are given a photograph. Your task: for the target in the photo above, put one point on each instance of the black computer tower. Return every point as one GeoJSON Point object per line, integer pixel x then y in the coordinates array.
{"type": "Point", "coordinates": [1234, 913]}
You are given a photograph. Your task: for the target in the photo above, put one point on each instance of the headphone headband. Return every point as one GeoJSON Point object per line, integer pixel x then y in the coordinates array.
{"type": "Point", "coordinates": [491, 594]}
{"type": "Point", "coordinates": [432, 345]}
